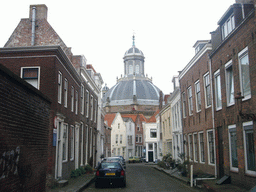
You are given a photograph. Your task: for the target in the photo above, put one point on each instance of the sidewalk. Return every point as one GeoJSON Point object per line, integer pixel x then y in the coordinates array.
{"type": "Point", "coordinates": [207, 185]}
{"type": "Point", "coordinates": [77, 184]}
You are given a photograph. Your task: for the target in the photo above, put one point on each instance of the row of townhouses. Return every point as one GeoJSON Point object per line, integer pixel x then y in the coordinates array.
{"type": "Point", "coordinates": [210, 116]}
{"type": "Point", "coordinates": [75, 126]}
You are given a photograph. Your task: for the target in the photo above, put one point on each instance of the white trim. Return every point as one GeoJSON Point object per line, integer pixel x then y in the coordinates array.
{"type": "Point", "coordinates": [227, 65]}
{"type": "Point", "coordinates": [195, 146]}
{"type": "Point", "coordinates": [249, 172]}
{"type": "Point", "coordinates": [38, 79]}
{"type": "Point", "coordinates": [199, 147]}
{"type": "Point", "coordinates": [205, 96]}
{"type": "Point", "coordinates": [216, 74]}
{"type": "Point", "coordinates": [190, 156]}
{"type": "Point", "coordinates": [208, 148]}
{"type": "Point", "coordinates": [198, 82]}
{"type": "Point", "coordinates": [230, 152]}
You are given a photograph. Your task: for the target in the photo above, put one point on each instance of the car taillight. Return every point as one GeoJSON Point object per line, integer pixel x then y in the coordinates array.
{"type": "Point", "coordinates": [122, 173]}
{"type": "Point", "coordinates": [97, 173]}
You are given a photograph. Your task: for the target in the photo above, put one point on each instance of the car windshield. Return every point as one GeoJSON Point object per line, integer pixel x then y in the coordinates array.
{"type": "Point", "coordinates": [110, 165]}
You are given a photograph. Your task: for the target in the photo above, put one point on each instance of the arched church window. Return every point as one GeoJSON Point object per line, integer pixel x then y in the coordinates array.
{"type": "Point", "coordinates": [137, 69]}
{"type": "Point", "coordinates": [130, 69]}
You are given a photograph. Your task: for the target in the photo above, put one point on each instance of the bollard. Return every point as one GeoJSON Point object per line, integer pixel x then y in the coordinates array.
{"type": "Point", "coordinates": [191, 176]}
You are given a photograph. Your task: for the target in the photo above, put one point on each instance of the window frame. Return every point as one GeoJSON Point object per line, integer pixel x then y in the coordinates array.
{"type": "Point", "coordinates": [232, 129]}
{"type": "Point", "coordinates": [207, 87]}
{"type": "Point", "coordinates": [208, 147]}
{"type": "Point", "coordinates": [198, 94]}
{"type": "Point", "coordinates": [72, 143]}
{"type": "Point", "coordinates": [155, 133]}
{"type": "Point", "coordinates": [241, 55]}
{"type": "Point", "coordinates": [190, 101]}
{"type": "Point", "coordinates": [217, 86]}
{"type": "Point", "coordinates": [184, 104]}
{"type": "Point", "coordinates": [82, 99]}
{"type": "Point", "coordinates": [225, 31]}
{"type": "Point", "coordinates": [72, 98]}
{"type": "Point", "coordinates": [195, 147]}
{"type": "Point", "coordinates": [229, 92]}
{"type": "Point", "coordinates": [247, 129]}
{"type": "Point", "coordinates": [65, 141]}
{"type": "Point", "coordinates": [65, 93]}
{"type": "Point", "coordinates": [190, 147]}
{"type": "Point", "coordinates": [201, 147]}
{"type": "Point", "coordinates": [59, 87]}
{"type": "Point", "coordinates": [26, 79]}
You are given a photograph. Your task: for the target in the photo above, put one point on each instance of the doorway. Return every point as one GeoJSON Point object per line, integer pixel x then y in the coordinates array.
{"type": "Point", "coordinates": [150, 156]}
{"type": "Point", "coordinates": [220, 149]}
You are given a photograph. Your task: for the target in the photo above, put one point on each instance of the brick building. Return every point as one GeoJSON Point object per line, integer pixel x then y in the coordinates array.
{"type": "Point", "coordinates": [233, 72]}
{"type": "Point", "coordinates": [37, 54]}
{"type": "Point", "coordinates": [196, 104]}
{"type": "Point", "coordinates": [24, 129]}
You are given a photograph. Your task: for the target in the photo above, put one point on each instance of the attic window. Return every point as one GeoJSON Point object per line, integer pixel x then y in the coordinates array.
{"type": "Point", "coordinates": [228, 27]}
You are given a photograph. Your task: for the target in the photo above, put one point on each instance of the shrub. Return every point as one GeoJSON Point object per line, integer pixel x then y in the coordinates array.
{"type": "Point", "coordinates": [74, 174]}
{"type": "Point", "coordinates": [88, 168]}
{"type": "Point", "coordinates": [162, 164]}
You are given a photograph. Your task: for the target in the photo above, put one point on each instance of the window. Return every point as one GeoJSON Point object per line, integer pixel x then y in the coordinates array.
{"type": "Point", "coordinates": [250, 167]}
{"type": "Point", "coordinates": [201, 147]}
{"type": "Point", "coordinates": [184, 104]}
{"type": "Point", "coordinates": [137, 138]}
{"type": "Point", "coordinates": [198, 96]}
{"type": "Point", "coordinates": [150, 146]}
{"type": "Point", "coordinates": [130, 70]}
{"type": "Point", "coordinates": [153, 133]}
{"type": "Point", "coordinates": [169, 122]}
{"type": "Point", "coordinates": [66, 93]}
{"type": "Point", "coordinates": [121, 139]}
{"type": "Point", "coordinates": [229, 84]}
{"type": "Point", "coordinates": [59, 87]}
{"type": "Point", "coordinates": [118, 125]}
{"type": "Point", "coordinates": [137, 69]}
{"type": "Point", "coordinates": [140, 139]}
{"type": "Point", "coordinates": [72, 146]}
{"type": "Point", "coordinates": [82, 99]}
{"type": "Point", "coordinates": [65, 142]}
{"type": "Point", "coordinates": [138, 127]}
{"type": "Point", "coordinates": [95, 110]}
{"type": "Point", "coordinates": [210, 147]}
{"type": "Point", "coordinates": [228, 26]}
{"type": "Point", "coordinates": [233, 148]}
{"type": "Point", "coordinates": [129, 138]}
{"type": "Point", "coordinates": [190, 147]}
{"type": "Point", "coordinates": [217, 90]}
{"type": "Point", "coordinates": [185, 146]}
{"type": "Point", "coordinates": [118, 151]}
{"type": "Point", "coordinates": [91, 107]}
{"type": "Point", "coordinates": [190, 102]}
{"type": "Point", "coordinates": [163, 128]}
{"type": "Point", "coordinates": [207, 90]}
{"type": "Point", "coordinates": [31, 75]}
{"type": "Point", "coordinates": [82, 144]}
{"type": "Point", "coordinates": [87, 103]}
{"type": "Point", "coordinates": [195, 147]}
{"type": "Point", "coordinates": [116, 138]}
{"type": "Point", "coordinates": [244, 73]}
{"type": "Point", "coordinates": [76, 103]}
{"type": "Point", "coordinates": [86, 143]}
{"type": "Point", "coordinates": [72, 98]}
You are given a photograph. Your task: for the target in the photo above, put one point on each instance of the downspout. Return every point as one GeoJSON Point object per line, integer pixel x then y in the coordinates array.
{"type": "Point", "coordinates": [33, 26]}
{"type": "Point", "coordinates": [213, 123]}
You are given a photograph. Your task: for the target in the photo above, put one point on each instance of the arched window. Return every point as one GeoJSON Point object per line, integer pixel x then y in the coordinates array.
{"type": "Point", "coordinates": [130, 70]}
{"type": "Point", "coordinates": [137, 69]}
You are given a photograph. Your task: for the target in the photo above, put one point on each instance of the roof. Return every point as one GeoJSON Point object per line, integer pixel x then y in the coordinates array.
{"type": "Point", "coordinates": [109, 118]}
{"type": "Point", "coordinates": [153, 118]}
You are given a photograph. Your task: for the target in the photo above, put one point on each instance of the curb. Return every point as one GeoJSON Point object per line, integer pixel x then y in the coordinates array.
{"type": "Point", "coordinates": [86, 184]}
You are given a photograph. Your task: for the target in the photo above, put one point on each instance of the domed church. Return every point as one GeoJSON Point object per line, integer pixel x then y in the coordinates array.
{"type": "Point", "coordinates": [134, 92]}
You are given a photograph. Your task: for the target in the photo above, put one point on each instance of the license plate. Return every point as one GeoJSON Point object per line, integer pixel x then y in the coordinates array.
{"type": "Point", "coordinates": [111, 174]}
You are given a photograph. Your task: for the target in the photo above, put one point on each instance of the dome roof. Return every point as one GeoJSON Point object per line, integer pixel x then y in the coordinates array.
{"type": "Point", "coordinates": [133, 51]}
{"type": "Point", "coordinates": [129, 91]}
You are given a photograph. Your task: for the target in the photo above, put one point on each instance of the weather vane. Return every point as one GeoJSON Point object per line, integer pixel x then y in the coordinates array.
{"type": "Point", "coordinates": [133, 39]}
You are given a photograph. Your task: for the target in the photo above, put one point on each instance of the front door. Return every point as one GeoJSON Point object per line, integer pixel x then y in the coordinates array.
{"type": "Point", "coordinates": [150, 156]}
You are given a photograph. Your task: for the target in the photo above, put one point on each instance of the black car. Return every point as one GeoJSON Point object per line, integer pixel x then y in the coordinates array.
{"type": "Point", "coordinates": [110, 172]}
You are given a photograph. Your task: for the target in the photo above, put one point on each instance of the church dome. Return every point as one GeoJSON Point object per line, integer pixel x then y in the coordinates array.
{"type": "Point", "coordinates": [133, 51]}
{"type": "Point", "coordinates": [133, 91]}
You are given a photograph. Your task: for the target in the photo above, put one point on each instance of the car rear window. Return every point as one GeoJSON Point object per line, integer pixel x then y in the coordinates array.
{"type": "Point", "coordinates": [110, 165]}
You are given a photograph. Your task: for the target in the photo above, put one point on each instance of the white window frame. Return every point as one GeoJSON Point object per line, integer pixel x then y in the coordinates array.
{"type": "Point", "coordinates": [95, 110]}
{"type": "Point", "coordinates": [232, 129]}
{"type": "Point", "coordinates": [241, 55]}
{"type": "Point", "coordinates": [245, 130]}
{"type": "Point", "coordinates": [27, 80]}
{"type": "Point", "coordinates": [217, 84]}
{"type": "Point", "coordinates": [153, 131]}
{"type": "Point", "coordinates": [190, 101]}
{"type": "Point", "coordinates": [91, 107]}
{"type": "Point", "coordinates": [230, 101]}
{"type": "Point", "coordinates": [184, 104]}
{"type": "Point", "coordinates": [121, 139]}
{"type": "Point", "coordinates": [82, 145]}
{"type": "Point", "coordinates": [59, 87]}
{"type": "Point", "coordinates": [87, 103]}
{"type": "Point", "coordinates": [116, 138]}
{"type": "Point", "coordinates": [195, 147]}
{"type": "Point", "coordinates": [228, 27]}
{"type": "Point", "coordinates": [198, 96]}
{"type": "Point", "coordinates": [201, 148]}
{"type": "Point", "coordinates": [76, 102]}
{"type": "Point", "coordinates": [65, 143]}
{"type": "Point", "coordinates": [72, 142]}
{"type": "Point", "coordinates": [72, 98]}
{"type": "Point", "coordinates": [207, 87]}
{"type": "Point", "coordinates": [82, 99]}
{"type": "Point", "coordinates": [208, 147]}
{"type": "Point", "coordinates": [65, 93]}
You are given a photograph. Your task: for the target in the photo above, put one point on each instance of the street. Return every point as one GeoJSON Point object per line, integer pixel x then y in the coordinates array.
{"type": "Point", "coordinates": [144, 178]}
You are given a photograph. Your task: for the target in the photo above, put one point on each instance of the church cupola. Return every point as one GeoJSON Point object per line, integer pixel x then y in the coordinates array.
{"type": "Point", "coordinates": [133, 61]}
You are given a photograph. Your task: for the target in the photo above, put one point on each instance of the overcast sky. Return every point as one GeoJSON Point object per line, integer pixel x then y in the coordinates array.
{"type": "Point", "coordinates": [101, 30]}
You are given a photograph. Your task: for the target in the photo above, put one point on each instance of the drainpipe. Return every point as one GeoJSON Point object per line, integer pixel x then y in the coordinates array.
{"type": "Point", "coordinates": [213, 124]}
{"type": "Point", "coordinates": [242, 7]}
{"type": "Point", "coordinates": [33, 26]}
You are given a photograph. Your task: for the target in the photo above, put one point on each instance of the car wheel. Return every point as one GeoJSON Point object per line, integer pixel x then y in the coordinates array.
{"type": "Point", "coordinates": [97, 185]}
{"type": "Point", "coordinates": [124, 184]}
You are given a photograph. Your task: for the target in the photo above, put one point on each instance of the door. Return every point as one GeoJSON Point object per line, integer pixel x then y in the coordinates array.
{"type": "Point", "coordinates": [150, 156]}
{"type": "Point", "coordinates": [220, 149]}
{"type": "Point", "coordinates": [58, 164]}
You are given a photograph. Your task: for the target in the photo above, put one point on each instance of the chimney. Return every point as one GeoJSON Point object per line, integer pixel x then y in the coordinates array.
{"type": "Point", "coordinates": [41, 11]}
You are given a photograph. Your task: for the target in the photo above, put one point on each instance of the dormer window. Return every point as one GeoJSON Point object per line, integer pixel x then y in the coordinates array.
{"type": "Point", "coordinates": [228, 27]}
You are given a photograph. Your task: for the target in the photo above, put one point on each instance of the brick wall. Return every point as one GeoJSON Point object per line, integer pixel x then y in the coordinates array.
{"type": "Point", "coordinates": [24, 123]}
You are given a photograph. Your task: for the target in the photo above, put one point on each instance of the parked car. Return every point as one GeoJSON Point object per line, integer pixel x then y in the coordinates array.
{"type": "Point", "coordinates": [110, 172]}
{"type": "Point", "coordinates": [116, 159]}
{"type": "Point", "coordinates": [134, 159]}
